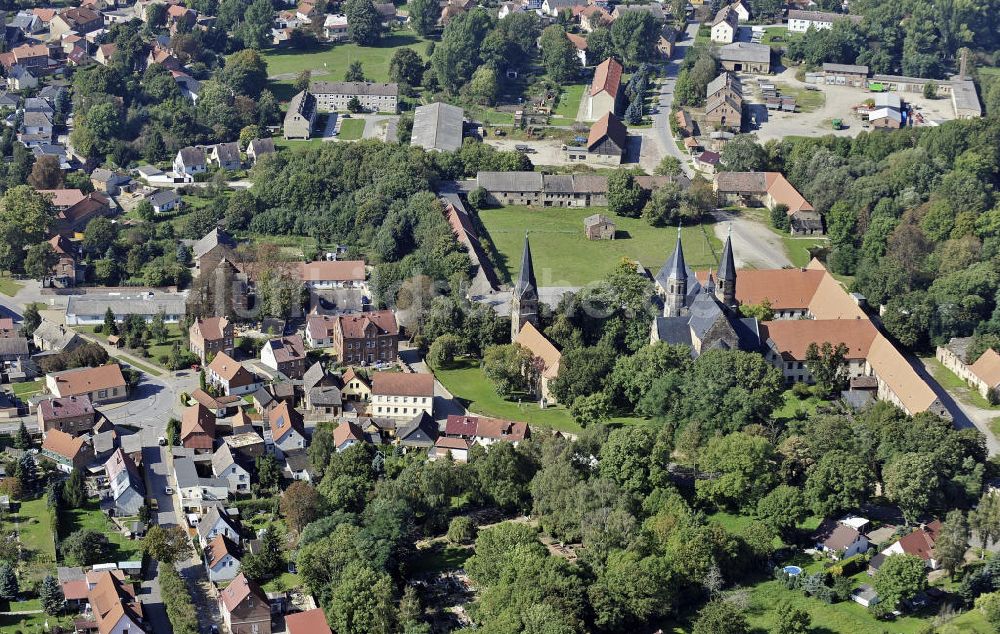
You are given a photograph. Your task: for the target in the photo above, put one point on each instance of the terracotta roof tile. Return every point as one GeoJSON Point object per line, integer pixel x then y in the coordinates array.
{"type": "Point", "coordinates": [607, 77]}
{"type": "Point", "coordinates": [402, 384]}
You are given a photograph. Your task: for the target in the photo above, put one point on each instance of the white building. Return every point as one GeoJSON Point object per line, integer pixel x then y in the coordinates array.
{"type": "Point", "coordinates": [401, 395]}
{"type": "Point", "coordinates": [800, 21]}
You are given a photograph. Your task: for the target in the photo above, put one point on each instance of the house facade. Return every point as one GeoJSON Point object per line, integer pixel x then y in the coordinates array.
{"type": "Point", "coordinates": [366, 338]}
{"type": "Point", "coordinates": [401, 395]}
{"type": "Point", "coordinates": [245, 608]}
{"type": "Point", "coordinates": [103, 384]}
{"type": "Point", "coordinates": [335, 96]}
{"type": "Point", "coordinates": [210, 336]}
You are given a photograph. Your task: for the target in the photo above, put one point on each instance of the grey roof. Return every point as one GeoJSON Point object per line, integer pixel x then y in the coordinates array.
{"type": "Point", "coordinates": [325, 395]}
{"type": "Point", "coordinates": [526, 284]}
{"type": "Point", "coordinates": [297, 461]}
{"type": "Point", "coordinates": [820, 16]}
{"type": "Point", "coordinates": [8, 100]}
{"type": "Point", "coordinates": [574, 183]}
{"type": "Point", "coordinates": [222, 459]}
{"type": "Point", "coordinates": [37, 104]}
{"type": "Point", "coordinates": [678, 268]}
{"type": "Point", "coordinates": [212, 239]}
{"type": "Point", "coordinates": [723, 80]}
{"type": "Point", "coordinates": [963, 94]}
{"type": "Point", "coordinates": [704, 311]}
{"type": "Point", "coordinates": [359, 88]}
{"type": "Point", "coordinates": [693, 286]}
{"type": "Point", "coordinates": [37, 119]}
{"type": "Point", "coordinates": [211, 518]}
{"type": "Point", "coordinates": [727, 265]}
{"type": "Point", "coordinates": [745, 52]}
{"type": "Point", "coordinates": [438, 126]}
{"type": "Point", "coordinates": [146, 304]}
{"type": "Point", "coordinates": [853, 69]}
{"type": "Point", "coordinates": [185, 473]}
{"type": "Point", "coordinates": [510, 181]}
{"type": "Point", "coordinates": [13, 346]}
{"type": "Point", "coordinates": [313, 376]}
{"type": "Point", "coordinates": [56, 335]}
{"type": "Point", "coordinates": [192, 156]}
{"type": "Point", "coordinates": [228, 152]}
{"type": "Point", "coordinates": [261, 146]}
{"type": "Point", "coordinates": [422, 422]}
{"type": "Point", "coordinates": [162, 197]}
{"type": "Point", "coordinates": [673, 330]}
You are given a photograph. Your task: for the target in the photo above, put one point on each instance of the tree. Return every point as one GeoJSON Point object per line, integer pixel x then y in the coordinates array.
{"type": "Point", "coordinates": [989, 605]}
{"type": "Point", "coordinates": [25, 218]}
{"type": "Point", "coordinates": [24, 471]}
{"type": "Point", "coordinates": [828, 366]}
{"type": "Point", "coordinates": [22, 440]}
{"type": "Point", "coordinates": [8, 582]}
{"type": "Point", "coordinates": [165, 545]}
{"type": "Point", "coordinates": [301, 83]}
{"type": "Point", "coordinates": [39, 260]}
{"type": "Point", "coordinates": [269, 561]}
{"type": "Point", "coordinates": [255, 29]}
{"type": "Point", "coordinates": [559, 55]}
{"type": "Point", "coordinates": [457, 56]}
{"type": "Point", "coordinates": [364, 26]}
{"type": "Point", "coordinates": [100, 235]}
{"type": "Point", "coordinates": [110, 323]}
{"type": "Point", "coordinates": [85, 547]}
{"type": "Point", "coordinates": [443, 351]}
{"type": "Point", "coordinates": [664, 205]}
{"type": "Point", "coordinates": [930, 90]}
{"type": "Point", "coordinates": [30, 320]}
{"type": "Point", "coordinates": [46, 173]}
{"type": "Point", "coordinates": [355, 72]}
{"type": "Point", "coordinates": [591, 409]}
{"type": "Point", "coordinates": [406, 66]}
{"type": "Point", "coordinates": [51, 596]}
{"type": "Point", "coordinates": [911, 481]}
{"type": "Point", "coordinates": [984, 520]}
{"type": "Point", "coordinates": [362, 602]}
{"type": "Point", "coordinates": [424, 15]}
{"type": "Point", "coordinates": [504, 474]}
{"type": "Point", "coordinates": [484, 87]}
{"type": "Point", "coordinates": [625, 458]}
{"type": "Point", "coordinates": [268, 472]}
{"type": "Point", "coordinates": [631, 591]}
{"type": "Point", "coordinates": [899, 577]}
{"type": "Point", "coordinates": [74, 493]}
{"type": "Point", "coordinates": [625, 196]}
{"type": "Point", "coordinates": [721, 617]}
{"type": "Point", "coordinates": [744, 154]}
{"type": "Point", "coordinates": [743, 464]}
{"type": "Point", "coordinates": [461, 530]}
{"type": "Point", "coordinates": [782, 509]}
{"type": "Point", "coordinates": [668, 166]}
{"type": "Point", "coordinates": [300, 504]}
{"type": "Point", "coordinates": [173, 432]}
{"type": "Point", "coordinates": [509, 368]}
{"type": "Point", "coordinates": [245, 72]}
{"type": "Point", "coordinates": [634, 36]}
{"type": "Point", "coordinates": [791, 619]}
{"type": "Point", "coordinates": [952, 542]}
{"type": "Point", "coordinates": [839, 482]}
{"type": "Point", "coordinates": [177, 602]}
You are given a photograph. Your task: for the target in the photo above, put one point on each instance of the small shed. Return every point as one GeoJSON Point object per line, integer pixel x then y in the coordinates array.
{"type": "Point", "coordinates": [115, 341]}
{"type": "Point", "coordinates": [599, 227]}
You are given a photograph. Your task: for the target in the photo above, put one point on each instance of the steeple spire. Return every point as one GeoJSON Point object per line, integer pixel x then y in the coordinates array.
{"type": "Point", "coordinates": [727, 272]}
{"type": "Point", "coordinates": [675, 299]}
{"type": "Point", "coordinates": [678, 268]}
{"type": "Point", "coordinates": [524, 302]}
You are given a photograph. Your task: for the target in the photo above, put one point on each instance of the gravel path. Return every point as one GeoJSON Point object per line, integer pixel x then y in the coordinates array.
{"type": "Point", "coordinates": [754, 245]}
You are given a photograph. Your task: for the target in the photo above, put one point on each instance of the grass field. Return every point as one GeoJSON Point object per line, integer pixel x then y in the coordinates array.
{"type": "Point", "coordinates": [9, 286]}
{"type": "Point", "coordinates": [331, 62]}
{"type": "Point", "coordinates": [286, 581]}
{"type": "Point", "coordinates": [798, 248]}
{"type": "Point", "coordinates": [351, 129]}
{"type": "Point", "coordinates": [174, 334]}
{"type": "Point", "coordinates": [794, 404]}
{"type": "Point", "coordinates": [569, 101]}
{"type": "Point", "coordinates": [27, 388]}
{"type": "Point", "coordinates": [35, 530]}
{"type": "Point", "coordinates": [469, 385]}
{"type": "Point", "coordinates": [90, 516]}
{"type": "Point", "coordinates": [564, 257]}
{"type": "Point", "coordinates": [440, 557]}
{"type": "Point", "coordinates": [805, 100]}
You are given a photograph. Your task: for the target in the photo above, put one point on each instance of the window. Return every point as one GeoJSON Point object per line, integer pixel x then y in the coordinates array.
{"type": "Point", "coordinates": [102, 393]}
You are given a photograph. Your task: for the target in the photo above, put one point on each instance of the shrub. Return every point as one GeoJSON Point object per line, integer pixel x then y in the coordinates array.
{"type": "Point", "coordinates": [462, 530]}
{"type": "Point", "coordinates": [801, 390]}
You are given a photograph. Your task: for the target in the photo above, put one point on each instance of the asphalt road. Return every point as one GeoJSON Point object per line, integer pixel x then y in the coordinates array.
{"type": "Point", "coordinates": [661, 120]}
{"type": "Point", "coordinates": [754, 245]}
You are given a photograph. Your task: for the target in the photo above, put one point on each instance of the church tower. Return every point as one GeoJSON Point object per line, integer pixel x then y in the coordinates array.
{"type": "Point", "coordinates": [524, 303]}
{"type": "Point", "coordinates": [674, 304]}
{"type": "Point", "coordinates": [726, 281]}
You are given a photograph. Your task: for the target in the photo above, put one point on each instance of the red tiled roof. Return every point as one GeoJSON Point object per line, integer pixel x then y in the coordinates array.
{"type": "Point", "coordinates": [283, 418]}
{"type": "Point", "coordinates": [87, 380]}
{"type": "Point", "coordinates": [402, 384]}
{"type": "Point", "coordinates": [308, 622]}
{"type": "Point", "coordinates": [353, 326]}
{"type": "Point", "coordinates": [238, 590]}
{"type": "Point", "coordinates": [334, 271]}
{"type": "Point", "coordinates": [607, 77]}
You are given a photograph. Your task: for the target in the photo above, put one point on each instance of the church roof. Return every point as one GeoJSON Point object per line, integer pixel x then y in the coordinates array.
{"type": "Point", "coordinates": [727, 265]}
{"type": "Point", "coordinates": [678, 267]}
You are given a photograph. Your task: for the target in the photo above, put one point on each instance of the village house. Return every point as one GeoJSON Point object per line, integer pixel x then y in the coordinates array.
{"type": "Point", "coordinates": [725, 25]}
{"type": "Point", "coordinates": [230, 376]}
{"type": "Point", "coordinates": [347, 434]}
{"type": "Point", "coordinates": [335, 27]}
{"type": "Point", "coordinates": [225, 156]}
{"type": "Point", "coordinates": [365, 338]}
{"type": "Point", "coordinates": [769, 189]}
{"type": "Point", "coordinates": [286, 355]}
{"type": "Point", "coordinates": [919, 543]}
{"type": "Point", "coordinates": [606, 143]}
{"type": "Point", "coordinates": [73, 415]}
{"type": "Point", "coordinates": [592, 17]}
{"type": "Point", "coordinates": [267, 397]}
{"type": "Point", "coordinates": [79, 20]}
{"type": "Point", "coordinates": [402, 395]}
{"type": "Point", "coordinates": [220, 406]}
{"type": "Point", "coordinates": [197, 493]}
{"type": "Point", "coordinates": [246, 446]}
{"type": "Point", "coordinates": [420, 432]}
{"type": "Point", "coordinates": [127, 490]}
{"type": "Point", "coordinates": [225, 466]}
{"type": "Point", "coordinates": [211, 249]}
{"type": "Point", "coordinates": [287, 428]}
{"type": "Point", "coordinates": [456, 448]}
{"type": "Point", "coordinates": [197, 429]}
{"type": "Point", "coordinates": [544, 190]}
{"type": "Point", "coordinates": [190, 161]}
{"type": "Point", "coordinates": [800, 21]}
{"type": "Point", "coordinates": [90, 309]}
{"type": "Point", "coordinates": [209, 336]}
{"type": "Point", "coordinates": [845, 74]}
{"type": "Point", "coordinates": [66, 451]}
{"type": "Point", "coordinates": [335, 96]}
{"type": "Point", "coordinates": [300, 117]}
{"type": "Point", "coordinates": [746, 57]}
{"type": "Point", "coordinates": [603, 95]}
{"type": "Point", "coordinates": [258, 148]}
{"type": "Point", "coordinates": [356, 386]}
{"type": "Point", "coordinates": [787, 342]}
{"type": "Point", "coordinates": [164, 200]}
{"type": "Point", "coordinates": [485, 431]}
{"type": "Point", "coordinates": [983, 374]}
{"type": "Point", "coordinates": [328, 274]}
{"type": "Point", "coordinates": [839, 539]}
{"type": "Point", "coordinates": [221, 559]}
{"type": "Point", "coordinates": [321, 391]}
{"type": "Point", "coordinates": [216, 521]}
{"type": "Point", "coordinates": [245, 608]}
{"type": "Point", "coordinates": [724, 101]}
{"type": "Point", "coordinates": [103, 384]}
{"type": "Point", "coordinates": [113, 603]}
{"type": "Point", "coordinates": [438, 126]}
{"type": "Point", "coordinates": [309, 622]}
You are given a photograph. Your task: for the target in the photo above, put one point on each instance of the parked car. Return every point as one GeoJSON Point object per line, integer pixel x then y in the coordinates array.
{"type": "Point", "coordinates": [169, 490]}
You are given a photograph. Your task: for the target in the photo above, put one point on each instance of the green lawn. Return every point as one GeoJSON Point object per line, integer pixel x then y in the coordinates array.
{"type": "Point", "coordinates": [468, 384]}
{"type": "Point", "coordinates": [35, 530]}
{"type": "Point", "coordinates": [146, 366]}
{"type": "Point", "coordinates": [778, 36]}
{"type": "Point", "coordinates": [564, 257]}
{"type": "Point", "coordinates": [798, 248]}
{"type": "Point", "coordinates": [440, 558]}
{"type": "Point", "coordinates": [287, 581]}
{"type": "Point", "coordinates": [569, 101]}
{"type": "Point", "coordinates": [951, 382]}
{"type": "Point", "coordinates": [330, 62]}
{"type": "Point", "coordinates": [351, 129]}
{"type": "Point", "coordinates": [30, 623]}
{"type": "Point", "coordinates": [805, 100]}
{"type": "Point", "coordinates": [296, 143]}
{"type": "Point", "coordinates": [90, 516]}
{"type": "Point", "coordinates": [27, 388]}
{"type": "Point", "coordinates": [9, 286]}
{"type": "Point", "coordinates": [794, 404]}
{"type": "Point", "coordinates": [174, 335]}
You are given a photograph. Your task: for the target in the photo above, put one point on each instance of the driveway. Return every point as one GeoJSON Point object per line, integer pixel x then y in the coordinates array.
{"type": "Point", "coordinates": [962, 412]}
{"type": "Point", "coordinates": [754, 245]}
{"type": "Point", "coordinates": [661, 120]}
